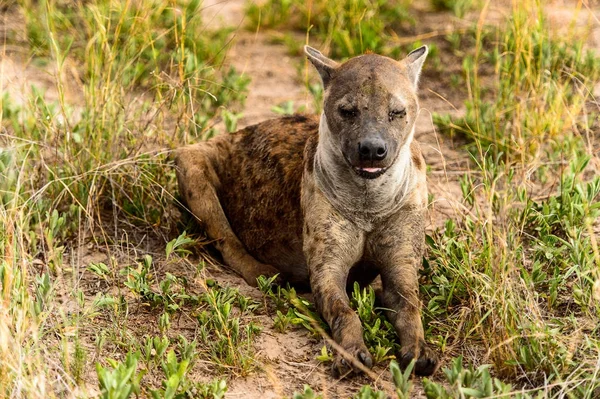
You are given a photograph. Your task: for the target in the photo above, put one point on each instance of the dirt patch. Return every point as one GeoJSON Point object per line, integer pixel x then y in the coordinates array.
{"type": "Point", "coordinates": [274, 73]}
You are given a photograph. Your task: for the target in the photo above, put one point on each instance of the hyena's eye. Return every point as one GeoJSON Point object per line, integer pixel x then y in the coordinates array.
{"type": "Point", "coordinates": [396, 113]}
{"type": "Point", "coordinates": [348, 112]}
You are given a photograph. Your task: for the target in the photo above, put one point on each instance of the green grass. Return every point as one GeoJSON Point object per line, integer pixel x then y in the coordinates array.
{"type": "Point", "coordinates": [511, 285]}
{"type": "Point", "coordinates": [521, 285]}
{"type": "Point", "coordinates": [519, 273]}
{"type": "Point", "coordinates": [541, 83]}
{"type": "Point", "coordinates": [347, 28]}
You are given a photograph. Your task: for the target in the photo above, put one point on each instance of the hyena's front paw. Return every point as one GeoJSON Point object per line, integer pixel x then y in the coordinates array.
{"type": "Point", "coordinates": [342, 365]}
{"type": "Point", "coordinates": [427, 360]}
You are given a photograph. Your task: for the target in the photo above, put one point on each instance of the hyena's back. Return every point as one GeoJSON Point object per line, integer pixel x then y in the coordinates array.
{"type": "Point", "coordinates": [258, 176]}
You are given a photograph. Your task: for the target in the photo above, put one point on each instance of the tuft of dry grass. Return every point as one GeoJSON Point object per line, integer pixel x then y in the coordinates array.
{"type": "Point", "coordinates": [87, 165]}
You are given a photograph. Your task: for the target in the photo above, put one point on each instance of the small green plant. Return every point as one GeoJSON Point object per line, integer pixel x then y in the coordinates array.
{"type": "Point", "coordinates": [179, 245]}
{"type": "Point", "coordinates": [43, 292]}
{"type": "Point", "coordinates": [121, 380]}
{"type": "Point", "coordinates": [458, 7]}
{"type": "Point", "coordinates": [74, 358]}
{"type": "Point", "coordinates": [379, 334]}
{"type": "Point", "coordinates": [175, 372]}
{"type": "Point", "coordinates": [225, 341]}
{"type": "Point", "coordinates": [402, 384]}
{"type": "Point", "coordinates": [402, 380]}
{"type": "Point", "coordinates": [53, 234]}
{"type": "Point", "coordinates": [467, 383]}
{"type": "Point", "coordinates": [231, 120]}
{"type": "Point", "coordinates": [213, 390]}
{"type": "Point", "coordinates": [454, 39]}
{"type": "Point", "coordinates": [164, 323]}
{"type": "Point", "coordinates": [270, 290]}
{"type": "Point", "coordinates": [154, 349]}
{"type": "Point", "coordinates": [282, 321]}
{"type": "Point", "coordinates": [325, 356]}
{"type": "Point", "coordinates": [307, 393]}
{"type": "Point", "coordinates": [316, 90]}
{"type": "Point", "coordinates": [366, 392]}
{"type": "Point", "coordinates": [170, 292]}
{"type": "Point", "coordinates": [286, 108]}
{"type": "Point", "coordinates": [140, 278]}
{"type": "Point", "coordinates": [271, 14]}
{"type": "Point", "coordinates": [298, 311]}
{"type": "Point", "coordinates": [100, 269]}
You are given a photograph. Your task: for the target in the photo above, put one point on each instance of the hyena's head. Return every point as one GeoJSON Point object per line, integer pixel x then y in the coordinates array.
{"type": "Point", "coordinates": [370, 107]}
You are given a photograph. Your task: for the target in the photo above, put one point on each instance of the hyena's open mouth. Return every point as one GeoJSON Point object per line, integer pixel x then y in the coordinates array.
{"type": "Point", "coordinates": [369, 173]}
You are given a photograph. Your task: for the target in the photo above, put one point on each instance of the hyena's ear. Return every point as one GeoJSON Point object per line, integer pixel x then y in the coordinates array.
{"type": "Point", "coordinates": [324, 65]}
{"type": "Point", "coordinates": [414, 62]}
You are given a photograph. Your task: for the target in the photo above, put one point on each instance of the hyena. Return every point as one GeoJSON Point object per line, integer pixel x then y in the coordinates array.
{"type": "Point", "coordinates": [327, 200]}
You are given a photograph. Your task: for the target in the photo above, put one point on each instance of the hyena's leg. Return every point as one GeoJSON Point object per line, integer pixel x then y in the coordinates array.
{"type": "Point", "coordinates": [331, 246]}
{"type": "Point", "coordinates": [198, 184]}
{"type": "Point", "coordinates": [398, 246]}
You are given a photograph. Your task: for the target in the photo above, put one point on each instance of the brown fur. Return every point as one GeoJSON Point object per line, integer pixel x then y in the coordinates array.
{"type": "Point", "coordinates": [293, 196]}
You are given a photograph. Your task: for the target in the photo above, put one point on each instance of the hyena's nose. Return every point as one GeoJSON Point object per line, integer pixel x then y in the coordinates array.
{"type": "Point", "coordinates": [372, 149]}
